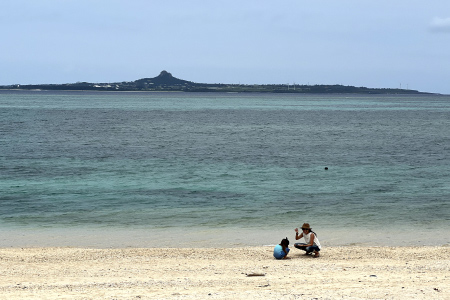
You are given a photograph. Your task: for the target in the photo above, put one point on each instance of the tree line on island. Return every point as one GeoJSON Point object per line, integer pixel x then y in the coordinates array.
{"type": "Point", "coordinates": [168, 83]}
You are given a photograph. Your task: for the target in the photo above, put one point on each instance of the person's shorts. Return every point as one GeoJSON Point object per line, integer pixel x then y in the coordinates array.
{"type": "Point", "coordinates": [312, 248]}
{"type": "Point", "coordinates": [303, 247]}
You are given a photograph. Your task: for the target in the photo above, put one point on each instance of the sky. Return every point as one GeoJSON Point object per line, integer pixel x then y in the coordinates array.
{"type": "Point", "coordinates": [371, 43]}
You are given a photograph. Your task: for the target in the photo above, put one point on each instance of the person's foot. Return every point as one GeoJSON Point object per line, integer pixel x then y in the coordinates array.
{"type": "Point", "coordinates": [307, 253]}
{"type": "Point", "coordinates": [316, 254]}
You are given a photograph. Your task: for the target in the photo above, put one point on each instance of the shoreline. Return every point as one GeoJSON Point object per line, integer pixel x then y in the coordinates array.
{"type": "Point", "coordinates": [229, 237]}
{"type": "Point", "coordinates": [222, 273]}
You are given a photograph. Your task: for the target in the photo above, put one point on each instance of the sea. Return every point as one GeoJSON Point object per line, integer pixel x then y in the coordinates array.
{"type": "Point", "coordinates": [150, 169]}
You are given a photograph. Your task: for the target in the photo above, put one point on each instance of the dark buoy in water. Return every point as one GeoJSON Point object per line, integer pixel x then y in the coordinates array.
{"type": "Point", "coordinates": [326, 168]}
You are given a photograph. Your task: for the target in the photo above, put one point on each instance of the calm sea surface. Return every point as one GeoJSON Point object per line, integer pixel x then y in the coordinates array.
{"type": "Point", "coordinates": [174, 169]}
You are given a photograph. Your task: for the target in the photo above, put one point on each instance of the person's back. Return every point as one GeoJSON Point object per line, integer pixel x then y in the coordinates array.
{"type": "Point", "coordinates": [307, 238]}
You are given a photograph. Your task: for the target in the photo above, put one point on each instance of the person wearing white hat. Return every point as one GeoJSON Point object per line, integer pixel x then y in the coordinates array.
{"type": "Point", "coordinates": [312, 242]}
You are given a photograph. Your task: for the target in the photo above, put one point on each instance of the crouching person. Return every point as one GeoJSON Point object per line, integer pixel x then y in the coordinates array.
{"type": "Point", "coordinates": [312, 242]}
{"type": "Point", "coordinates": [281, 251]}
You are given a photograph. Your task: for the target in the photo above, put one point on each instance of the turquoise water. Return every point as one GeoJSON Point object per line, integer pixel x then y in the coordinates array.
{"type": "Point", "coordinates": [151, 169]}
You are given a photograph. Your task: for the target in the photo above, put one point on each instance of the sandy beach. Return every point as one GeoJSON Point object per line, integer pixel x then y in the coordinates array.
{"type": "Point", "coordinates": [225, 273]}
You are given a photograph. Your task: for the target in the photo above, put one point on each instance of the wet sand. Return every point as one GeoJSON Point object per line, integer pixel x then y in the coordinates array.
{"type": "Point", "coordinates": [223, 273]}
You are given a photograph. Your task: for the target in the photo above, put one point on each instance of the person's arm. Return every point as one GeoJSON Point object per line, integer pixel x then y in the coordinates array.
{"type": "Point", "coordinates": [297, 237]}
{"type": "Point", "coordinates": [285, 251]}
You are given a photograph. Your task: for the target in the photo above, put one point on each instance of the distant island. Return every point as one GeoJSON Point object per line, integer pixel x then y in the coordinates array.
{"type": "Point", "coordinates": [165, 82]}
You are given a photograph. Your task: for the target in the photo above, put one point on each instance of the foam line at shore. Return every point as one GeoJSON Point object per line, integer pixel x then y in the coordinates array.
{"type": "Point", "coordinates": [211, 237]}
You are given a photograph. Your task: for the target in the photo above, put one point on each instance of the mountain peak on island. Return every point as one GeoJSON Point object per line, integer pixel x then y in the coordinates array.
{"type": "Point", "coordinates": [164, 73]}
{"type": "Point", "coordinates": [164, 78]}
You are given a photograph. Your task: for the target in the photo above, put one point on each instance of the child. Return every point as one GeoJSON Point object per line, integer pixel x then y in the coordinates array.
{"type": "Point", "coordinates": [281, 251]}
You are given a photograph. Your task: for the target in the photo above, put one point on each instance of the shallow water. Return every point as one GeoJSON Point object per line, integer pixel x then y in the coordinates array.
{"type": "Point", "coordinates": [228, 169]}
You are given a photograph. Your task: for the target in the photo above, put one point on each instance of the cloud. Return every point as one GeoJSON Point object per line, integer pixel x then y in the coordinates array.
{"type": "Point", "coordinates": [440, 25]}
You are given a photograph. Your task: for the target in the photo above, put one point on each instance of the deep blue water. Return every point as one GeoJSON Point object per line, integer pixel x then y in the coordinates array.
{"type": "Point", "coordinates": [157, 161]}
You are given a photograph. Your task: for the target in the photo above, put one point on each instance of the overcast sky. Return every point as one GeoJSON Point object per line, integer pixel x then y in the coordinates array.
{"type": "Point", "coordinates": [372, 43]}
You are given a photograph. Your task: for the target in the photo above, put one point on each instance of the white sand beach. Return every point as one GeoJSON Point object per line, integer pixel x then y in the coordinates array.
{"type": "Point", "coordinates": [223, 273]}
